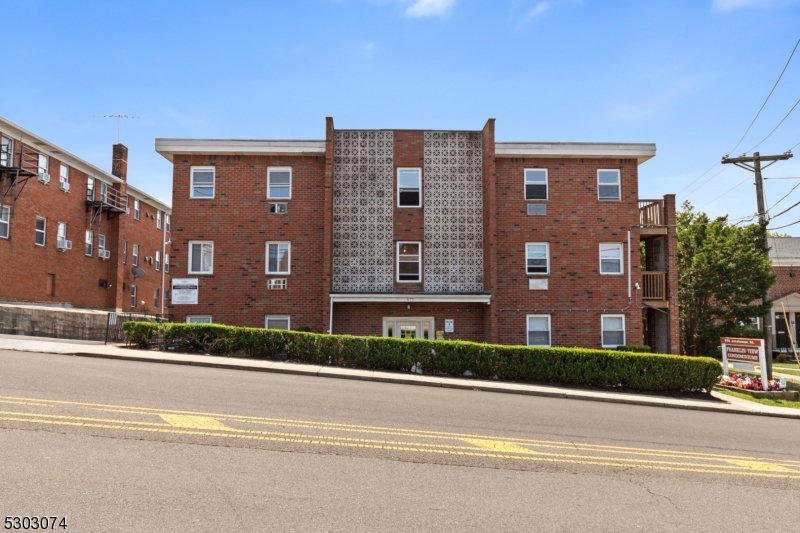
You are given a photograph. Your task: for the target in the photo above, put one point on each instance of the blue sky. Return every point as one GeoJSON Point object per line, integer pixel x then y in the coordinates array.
{"type": "Point", "coordinates": [687, 75]}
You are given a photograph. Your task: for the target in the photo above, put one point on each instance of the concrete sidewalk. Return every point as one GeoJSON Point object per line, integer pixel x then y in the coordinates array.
{"type": "Point", "coordinates": [720, 403]}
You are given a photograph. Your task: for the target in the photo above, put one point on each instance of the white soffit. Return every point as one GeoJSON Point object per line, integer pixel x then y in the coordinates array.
{"type": "Point", "coordinates": [412, 297]}
{"type": "Point", "coordinates": [170, 147]}
{"type": "Point", "coordinates": [639, 151]}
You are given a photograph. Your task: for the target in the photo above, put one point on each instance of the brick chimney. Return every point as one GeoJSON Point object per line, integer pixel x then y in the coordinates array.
{"type": "Point", "coordinates": [119, 161]}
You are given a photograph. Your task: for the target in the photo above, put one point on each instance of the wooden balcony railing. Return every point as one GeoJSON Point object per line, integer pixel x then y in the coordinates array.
{"type": "Point", "coordinates": [654, 285]}
{"type": "Point", "coordinates": [651, 213]}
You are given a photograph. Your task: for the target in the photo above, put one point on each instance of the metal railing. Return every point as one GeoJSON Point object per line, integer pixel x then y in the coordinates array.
{"type": "Point", "coordinates": [114, 331]}
{"type": "Point", "coordinates": [106, 196]}
{"type": "Point", "coordinates": [19, 156]}
{"type": "Point", "coordinates": [651, 213]}
{"type": "Point", "coordinates": [654, 285]}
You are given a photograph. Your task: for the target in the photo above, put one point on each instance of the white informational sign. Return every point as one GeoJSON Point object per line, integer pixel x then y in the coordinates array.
{"type": "Point", "coordinates": [449, 326]}
{"type": "Point", "coordinates": [744, 351]}
{"type": "Point", "coordinates": [184, 291]}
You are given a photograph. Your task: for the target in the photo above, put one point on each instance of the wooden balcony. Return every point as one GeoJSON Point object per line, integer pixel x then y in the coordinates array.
{"type": "Point", "coordinates": [651, 218]}
{"type": "Point", "coordinates": [654, 289]}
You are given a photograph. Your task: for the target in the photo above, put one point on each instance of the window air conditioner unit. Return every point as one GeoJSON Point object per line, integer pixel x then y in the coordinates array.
{"type": "Point", "coordinates": [104, 254]}
{"type": "Point", "coordinates": [63, 245]}
{"type": "Point", "coordinates": [276, 284]}
{"type": "Point", "coordinates": [44, 177]}
{"type": "Point", "coordinates": [64, 186]}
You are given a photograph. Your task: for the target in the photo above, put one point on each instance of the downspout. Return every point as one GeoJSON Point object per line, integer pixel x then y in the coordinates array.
{"type": "Point", "coordinates": [330, 326]}
{"type": "Point", "coordinates": [163, 259]}
{"type": "Point", "coordinates": [629, 264]}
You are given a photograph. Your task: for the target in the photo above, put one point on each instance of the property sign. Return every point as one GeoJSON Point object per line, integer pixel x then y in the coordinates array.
{"type": "Point", "coordinates": [184, 291]}
{"type": "Point", "coordinates": [448, 325]}
{"type": "Point", "coordinates": [745, 351]}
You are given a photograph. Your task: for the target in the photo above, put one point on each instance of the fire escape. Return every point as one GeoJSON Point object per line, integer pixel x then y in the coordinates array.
{"type": "Point", "coordinates": [18, 164]}
{"type": "Point", "coordinates": [104, 199]}
{"type": "Point", "coordinates": [655, 268]}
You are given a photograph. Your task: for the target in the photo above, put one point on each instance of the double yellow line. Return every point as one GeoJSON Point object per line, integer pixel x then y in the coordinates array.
{"type": "Point", "coordinates": [458, 444]}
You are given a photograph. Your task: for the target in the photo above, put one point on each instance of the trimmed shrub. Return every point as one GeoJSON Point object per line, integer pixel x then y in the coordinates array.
{"type": "Point", "coordinates": [640, 348]}
{"type": "Point", "coordinates": [577, 366]}
{"type": "Point", "coordinates": [140, 333]}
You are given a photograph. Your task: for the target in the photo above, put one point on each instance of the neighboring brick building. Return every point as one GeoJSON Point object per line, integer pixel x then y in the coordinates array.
{"type": "Point", "coordinates": [410, 232]}
{"type": "Point", "coordinates": [70, 232]}
{"type": "Point", "coordinates": [784, 252]}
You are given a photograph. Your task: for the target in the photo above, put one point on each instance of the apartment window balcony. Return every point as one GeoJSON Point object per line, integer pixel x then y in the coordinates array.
{"type": "Point", "coordinates": [651, 217]}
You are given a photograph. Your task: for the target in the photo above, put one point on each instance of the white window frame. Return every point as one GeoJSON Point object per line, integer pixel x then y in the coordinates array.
{"type": "Point", "coordinates": [198, 319]}
{"type": "Point", "coordinates": [528, 330]}
{"type": "Point", "coordinates": [289, 252]}
{"type": "Point", "coordinates": [167, 221]}
{"type": "Point", "coordinates": [213, 182]}
{"type": "Point", "coordinates": [546, 184]}
{"type": "Point", "coordinates": [7, 155]}
{"type": "Point", "coordinates": [158, 219]}
{"type": "Point", "coordinates": [136, 209]}
{"type": "Point", "coordinates": [603, 330]}
{"type": "Point", "coordinates": [158, 261]}
{"type": "Point", "coordinates": [125, 252]}
{"type": "Point", "coordinates": [46, 168]}
{"type": "Point", "coordinates": [419, 171]}
{"type": "Point", "coordinates": [397, 261]}
{"type": "Point", "coordinates": [63, 175]}
{"type": "Point", "coordinates": [133, 296]}
{"type": "Point", "coordinates": [5, 221]}
{"type": "Point", "coordinates": [287, 318]}
{"type": "Point", "coordinates": [547, 252]}
{"type": "Point", "coordinates": [61, 235]}
{"type": "Point", "coordinates": [101, 244]}
{"type": "Point", "coordinates": [88, 243]}
{"type": "Point", "coordinates": [156, 298]}
{"type": "Point", "coordinates": [619, 184]}
{"type": "Point", "coordinates": [166, 262]}
{"type": "Point", "coordinates": [135, 253]}
{"type": "Point", "coordinates": [270, 170]}
{"type": "Point", "coordinates": [617, 245]}
{"type": "Point", "coordinates": [90, 188]}
{"type": "Point", "coordinates": [189, 266]}
{"type": "Point", "coordinates": [43, 231]}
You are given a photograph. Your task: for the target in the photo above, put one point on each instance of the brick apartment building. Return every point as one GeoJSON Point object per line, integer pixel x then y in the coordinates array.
{"type": "Point", "coordinates": [71, 233]}
{"type": "Point", "coordinates": [784, 252]}
{"type": "Point", "coordinates": [412, 233]}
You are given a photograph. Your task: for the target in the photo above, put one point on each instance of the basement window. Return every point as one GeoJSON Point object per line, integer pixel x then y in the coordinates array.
{"type": "Point", "coordinates": [276, 322]}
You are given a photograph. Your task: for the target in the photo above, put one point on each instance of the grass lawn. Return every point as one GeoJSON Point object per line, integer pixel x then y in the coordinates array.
{"type": "Point", "coordinates": [774, 403]}
{"type": "Point", "coordinates": [786, 368]}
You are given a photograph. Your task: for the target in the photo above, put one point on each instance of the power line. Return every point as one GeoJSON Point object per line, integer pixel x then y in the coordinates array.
{"type": "Point", "coordinates": [776, 127]}
{"type": "Point", "coordinates": [785, 196]}
{"type": "Point", "coordinates": [726, 192]}
{"type": "Point", "coordinates": [786, 226]}
{"type": "Point", "coordinates": [748, 127]}
{"type": "Point", "coordinates": [786, 210]}
{"type": "Point", "coordinates": [785, 178]}
{"type": "Point", "coordinates": [709, 179]}
{"type": "Point", "coordinates": [768, 96]}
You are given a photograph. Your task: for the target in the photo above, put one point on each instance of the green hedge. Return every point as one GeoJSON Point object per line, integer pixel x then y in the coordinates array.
{"type": "Point", "coordinates": [577, 366]}
{"type": "Point", "coordinates": [641, 348]}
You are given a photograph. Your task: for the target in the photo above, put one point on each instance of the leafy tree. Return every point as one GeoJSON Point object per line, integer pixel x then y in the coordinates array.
{"type": "Point", "coordinates": [724, 271]}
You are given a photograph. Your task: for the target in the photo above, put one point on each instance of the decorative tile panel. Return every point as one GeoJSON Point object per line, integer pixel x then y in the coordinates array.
{"type": "Point", "coordinates": [363, 166]}
{"type": "Point", "coordinates": [453, 189]}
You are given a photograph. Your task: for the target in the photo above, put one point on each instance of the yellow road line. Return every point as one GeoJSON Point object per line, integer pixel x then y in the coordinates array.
{"type": "Point", "coordinates": [324, 442]}
{"type": "Point", "coordinates": [397, 431]}
{"type": "Point", "coordinates": [195, 422]}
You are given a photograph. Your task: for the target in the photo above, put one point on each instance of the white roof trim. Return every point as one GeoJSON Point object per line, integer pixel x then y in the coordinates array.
{"type": "Point", "coordinates": [170, 147]}
{"type": "Point", "coordinates": [639, 151]}
{"type": "Point", "coordinates": [141, 195]}
{"type": "Point", "coordinates": [412, 297]}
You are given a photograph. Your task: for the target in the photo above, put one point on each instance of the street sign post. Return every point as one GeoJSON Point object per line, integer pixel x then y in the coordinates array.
{"type": "Point", "coordinates": [745, 351]}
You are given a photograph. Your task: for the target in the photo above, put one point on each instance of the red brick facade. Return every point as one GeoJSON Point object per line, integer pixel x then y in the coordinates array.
{"type": "Point", "coordinates": [576, 222]}
{"type": "Point", "coordinates": [43, 274]}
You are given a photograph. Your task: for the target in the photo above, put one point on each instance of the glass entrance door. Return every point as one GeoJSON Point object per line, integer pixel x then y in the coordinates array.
{"type": "Point", "coordinates": [408, 327]}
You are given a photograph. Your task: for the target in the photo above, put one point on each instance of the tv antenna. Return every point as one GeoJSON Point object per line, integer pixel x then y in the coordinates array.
{"type": "Point", "coordinates": [119, 118]}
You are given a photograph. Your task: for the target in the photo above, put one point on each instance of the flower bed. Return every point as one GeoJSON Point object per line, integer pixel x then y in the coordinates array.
{"type": "Point", "coordinates": [742, 381]}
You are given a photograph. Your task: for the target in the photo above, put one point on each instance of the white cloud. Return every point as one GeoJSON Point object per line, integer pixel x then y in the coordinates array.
{"type": "Point", "coordinates": [430, 8]}
{"type": "Point", "coordinates": [733, 5]}
{"type": "Point", "coordinates": [368, 49]}
{"type": "Point", "coordinates": [542, 7]}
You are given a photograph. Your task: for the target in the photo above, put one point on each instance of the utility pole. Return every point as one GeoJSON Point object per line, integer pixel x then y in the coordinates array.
{"type": "Point", "coordinates": [753, 164]}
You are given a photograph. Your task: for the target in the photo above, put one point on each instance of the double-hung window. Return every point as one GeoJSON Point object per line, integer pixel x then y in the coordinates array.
{"type": "Point", "coordinates": [409, 262]}
{"type": "Point", "coordinates": [166, 223]}
{"type": "Point", "coordinates": [278, 257]}
{"type": "Point", "coordinates": [536, 184]}
{"type": "Point", "coordinates": [88, 248]}
{"type": "Point", "coordinates": [136, 255]}
{"type": "Point", "coordinates": [276, 322]}
{"type": "Point", "coordinates": [136, 209]}
{"type": "Point", "coordinates": [6, 151]}
{"type": "Point", "coordinates": [90, 189]}
{"type": "Point", "coordinates": [41, 230]}
{"type": "Point", "coordinates": [158, 219]}
{"type": "Point", "coordinates": [279, 183]}
{"type": "Point", "coordinates": [537, 258]}
{"type": "Point", "coordinates": [125, 253]}
{"type": "Point", "coordinates": [608, 185]}
{"type": "Point", "coordinates": [101, 245]}
{"type": "Point", "coordinates": [201, 257]}
{"type": "Point", "coordinates": [158, 260]}
{"type": "Point", "coordinates": [198, 319]}
{"type": "Point", "coordinates": [539, 330]}
{"type": "Point", "coordinates": [611, 258]}
{"type": "Point", "coordinates": [409, 187]}
{"type": "Point", "coordinates": [613, 327]}
{"type": "Point", "coordinates": [166, 262]}
{"type": "Point", "coordinates": [104, 192]}
{"type": "Point", "coordinates": [202, 182]}
{"type": "Point", "coordinates": [44, 164]}
{"type": "Point", "coordinates": [61, 234]}
{"type": "Point", "coordinates": [5, 221]}
{"type": "Point", "coordinates": [63, 176]}
{"type": "Point", "coordinates": [155, 298]}
{"type": "Point", "coordinates": [133, 295]}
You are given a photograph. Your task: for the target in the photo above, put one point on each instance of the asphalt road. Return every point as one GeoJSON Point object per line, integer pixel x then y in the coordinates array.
{"type": "Point", "coordinates": [128, 446]}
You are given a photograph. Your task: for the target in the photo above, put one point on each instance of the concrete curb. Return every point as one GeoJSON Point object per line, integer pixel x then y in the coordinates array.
{"type": "Point", "coordinates": [728, 404]}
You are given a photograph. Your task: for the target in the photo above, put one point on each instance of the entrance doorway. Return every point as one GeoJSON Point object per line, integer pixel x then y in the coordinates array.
{"type": "Point", "coordinates": [408, 327]}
